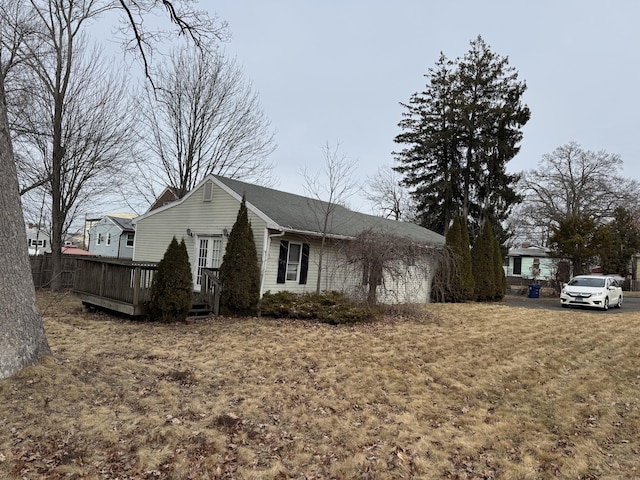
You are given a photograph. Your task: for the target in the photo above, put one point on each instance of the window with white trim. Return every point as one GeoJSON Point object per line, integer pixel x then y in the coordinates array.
{"type": "Point", "coordinates": [130, 238]}
{"type": "Point", "coordinates": [108, 239]}
{"type": "Point", "coordinates": [99, 239]}
{"type": "Point", "coordinates": [293, 262]}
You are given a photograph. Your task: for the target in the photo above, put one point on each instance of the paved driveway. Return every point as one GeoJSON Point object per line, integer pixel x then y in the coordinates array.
{"type": "Point", "coordinates": [630, 304]}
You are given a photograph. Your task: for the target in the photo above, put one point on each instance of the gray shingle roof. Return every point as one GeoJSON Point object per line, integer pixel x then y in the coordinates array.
{"type": "Point", "coordinates": [124, 223]}
{"type": "Point", "coordinates": [302, 214]}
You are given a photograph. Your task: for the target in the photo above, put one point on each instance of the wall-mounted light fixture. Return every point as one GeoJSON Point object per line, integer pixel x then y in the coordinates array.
{"type": "Point", "coordinates": [189, 232]}
{"type": "Point", "coordinates": [225, 232]}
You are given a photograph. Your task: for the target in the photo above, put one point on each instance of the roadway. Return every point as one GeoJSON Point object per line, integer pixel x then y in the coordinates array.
{"type": "Point", "coordinates": [631, 303]}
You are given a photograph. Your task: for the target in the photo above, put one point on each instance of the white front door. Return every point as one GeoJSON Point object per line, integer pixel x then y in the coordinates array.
{"type": "Point", "coordinates": [208, 255]}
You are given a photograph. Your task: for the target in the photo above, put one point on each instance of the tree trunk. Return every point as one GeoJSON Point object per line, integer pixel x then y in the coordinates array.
{"type": "Point", "coordinates": [22, 337]}
{"type": "Point", "coordinates": [320, 258]}
{"type": "Point", "coordinates": [57, 213]}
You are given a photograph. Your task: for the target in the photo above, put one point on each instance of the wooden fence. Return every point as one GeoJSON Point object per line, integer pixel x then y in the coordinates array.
{"type": "Point", "coordinates": [42, 270]}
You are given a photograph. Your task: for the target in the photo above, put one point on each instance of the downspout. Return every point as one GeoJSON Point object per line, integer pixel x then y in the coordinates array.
{"type": "Point", "coordinates": [265, 256]}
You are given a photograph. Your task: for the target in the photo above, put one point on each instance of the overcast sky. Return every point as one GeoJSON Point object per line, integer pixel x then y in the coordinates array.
{"type": "Point", "coordinates": [335, 71]}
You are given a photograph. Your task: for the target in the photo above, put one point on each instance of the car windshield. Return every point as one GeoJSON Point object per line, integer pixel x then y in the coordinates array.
{"type": "Point", "coordinates": [587, 282]}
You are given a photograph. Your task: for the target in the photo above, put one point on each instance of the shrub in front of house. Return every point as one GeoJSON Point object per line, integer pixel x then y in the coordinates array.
{"type": "Point", "coordinates": [172, 288]}
{"type": "Point", "coordinates": [239, 271]}
{"type": "Point", "coordinates": [329, 307]}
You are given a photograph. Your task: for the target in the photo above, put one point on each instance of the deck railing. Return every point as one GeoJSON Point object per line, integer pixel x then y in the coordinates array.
{"type": "Point", "coordinates": [120, 286]}
{"type": "Point", "coordinates": [211, 288]}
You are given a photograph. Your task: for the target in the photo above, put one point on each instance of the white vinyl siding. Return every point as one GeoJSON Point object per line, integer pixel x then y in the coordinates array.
{"type": "Point", "coordinates": [210, 219]}
{"type": "Point", "coordinates": [154, 233]}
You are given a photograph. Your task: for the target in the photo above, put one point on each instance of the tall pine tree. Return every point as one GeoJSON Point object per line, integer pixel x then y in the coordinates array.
{"type": "Point", "coordinates": [458, 136]}
{"type": "Point", "coordinates": [432, 148]}
{"type": "Point", "coordinates": [239, 271]}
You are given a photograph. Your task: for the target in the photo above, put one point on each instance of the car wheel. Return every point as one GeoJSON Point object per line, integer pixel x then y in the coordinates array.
{"type": "Point", "coordinates": [619, 304]}
{"type": "Point", "coordinates": [605, 307]}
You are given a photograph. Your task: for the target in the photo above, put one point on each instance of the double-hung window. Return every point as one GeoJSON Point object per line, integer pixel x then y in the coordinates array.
{"type": "Point", "coordinates": [293, 262]}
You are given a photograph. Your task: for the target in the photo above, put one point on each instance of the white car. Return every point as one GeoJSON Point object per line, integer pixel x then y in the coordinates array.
{"type": "Point", "coordinates": [598, 291]}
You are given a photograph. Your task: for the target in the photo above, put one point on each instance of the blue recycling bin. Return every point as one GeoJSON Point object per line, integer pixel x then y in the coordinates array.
{"type": "Point", "coordinates": [534, 291]}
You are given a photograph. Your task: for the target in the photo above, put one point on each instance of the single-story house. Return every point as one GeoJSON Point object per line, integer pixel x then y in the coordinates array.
{"type": "Point", "coordinates": [288, 235]}
{"type": "Point", "coordinates": [113, 237]}
{"type": "Point", "coordinates": [38, 241]}
{"type": "Point", "coordinates": [530, 262]}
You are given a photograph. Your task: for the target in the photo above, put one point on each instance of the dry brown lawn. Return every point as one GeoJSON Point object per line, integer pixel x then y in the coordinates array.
{"type": "Point", "coordinates": [463, 391]}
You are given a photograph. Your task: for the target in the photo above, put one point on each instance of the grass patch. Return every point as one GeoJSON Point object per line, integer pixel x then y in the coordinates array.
{"type": "Point", "coordinates": [466, 391]}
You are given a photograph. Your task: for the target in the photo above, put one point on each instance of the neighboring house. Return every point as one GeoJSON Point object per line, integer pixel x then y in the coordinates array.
{"type": "Point", "coordinates": [169, 195]}
{"type": "Point", "coordinates": [530, 262]}
{"type": "Point", "coordinates": [38, 241]}
{"type": "Point", "coordinates": [112, 236]}
{"type": "Point", "coordinates": [287, 236]}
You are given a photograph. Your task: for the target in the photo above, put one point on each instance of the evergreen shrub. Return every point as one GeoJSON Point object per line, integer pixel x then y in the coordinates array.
{"type": "Point", "coordinates": [172, 287]}
{"type": "Point", "coordinates": [328, 307]}
{"type": "Point", "coordinates": [239, 271]}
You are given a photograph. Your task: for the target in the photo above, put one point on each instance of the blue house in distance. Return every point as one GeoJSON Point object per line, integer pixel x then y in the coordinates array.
{"type": "Point", "coordinates": [112, 237]}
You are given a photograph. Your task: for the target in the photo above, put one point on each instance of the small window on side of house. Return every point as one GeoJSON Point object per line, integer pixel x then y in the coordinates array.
{"type": "Point", "coordinates": [108, 239]}
{"type": "Point", "coordinates": [99, 239]}
{"type": "Point", "coordinates": [208, 192]}
{"type": "Point", "coordinates": [130, 237]}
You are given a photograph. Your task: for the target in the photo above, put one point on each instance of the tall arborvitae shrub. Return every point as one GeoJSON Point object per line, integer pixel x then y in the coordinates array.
{"type": "Point", "coordinates": [453, 281]}
{"type": "Point", "coordinates": [466, 280]}
{"type": "Point", "coordinates": [452, 240]}
{"type": "Point", "coordinates": [443, 285]}
{"type": "Point", "coordinates": [239, 272]}
{"type": "Point", "coordinates": [172, 287]}
{"type": "Point", "coordinates": [482, 255]}
{"type": "Point", "coordinates": [499, 276]}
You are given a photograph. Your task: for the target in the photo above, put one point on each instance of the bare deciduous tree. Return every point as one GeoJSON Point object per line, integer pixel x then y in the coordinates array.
{"type": "Point", "coordinates": [202, 117]}
{"type": "Point", "coordinates": [333, 185]}
{"type": "Point", "coordinates": [388, 258]}
{"type": "Point", "coordinates": [388, 197]}
{"type": "Point", "coordinates": [74, 134]}
{"type": "Point", "coordinates": [571, 182]}
{"type": "Point", "coordinates": [22, 337]}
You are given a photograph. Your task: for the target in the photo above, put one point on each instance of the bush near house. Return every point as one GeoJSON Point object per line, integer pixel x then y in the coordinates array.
{"type": "Point", "coordinates": [328, 307]}
{"type": "Point", "coordinates": [172, 288]}
{"type": "Point", "coordinates": [239, 271]}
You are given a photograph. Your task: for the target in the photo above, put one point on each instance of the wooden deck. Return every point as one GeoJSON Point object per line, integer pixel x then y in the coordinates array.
{"type": "Point", "coordinates": [125, 286]}
{"type": "Point", "coordinates": [115, 285]}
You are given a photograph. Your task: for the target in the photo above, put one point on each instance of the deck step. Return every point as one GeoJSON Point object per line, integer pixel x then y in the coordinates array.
{"type": "Point", "coordinates": [200, 309]}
